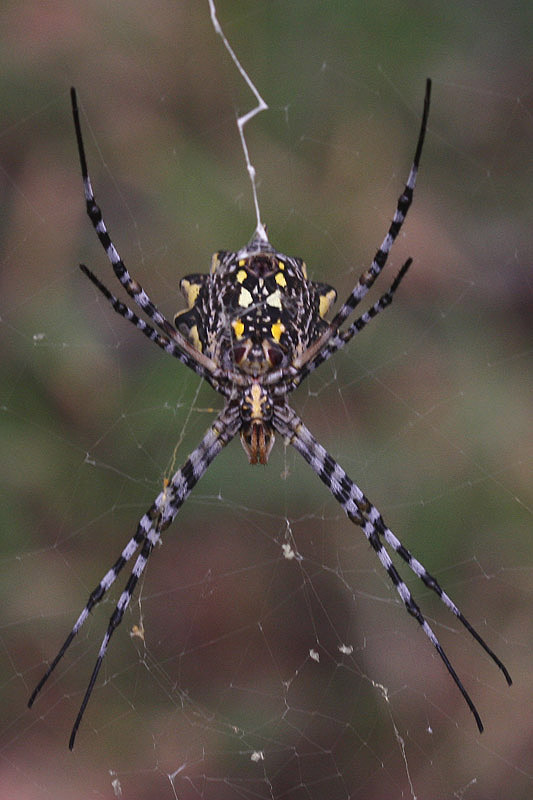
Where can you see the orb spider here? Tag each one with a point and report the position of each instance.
(254, 329)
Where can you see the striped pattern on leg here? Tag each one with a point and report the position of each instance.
(341, 338)
(133, 288)
(160, 339)
(367, 279)
(158, 517)
(362, 512)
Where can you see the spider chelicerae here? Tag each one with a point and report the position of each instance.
(254, 329)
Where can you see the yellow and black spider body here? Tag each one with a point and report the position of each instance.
(254, 314)
(256, 311)
(255, 327)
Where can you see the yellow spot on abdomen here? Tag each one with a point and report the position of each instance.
(190, 291)
(238, 327)
(325, 302)
(277, 329)
(194, 338)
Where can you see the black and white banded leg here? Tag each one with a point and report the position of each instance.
(367, 279)
(160, 339)
(255, 373)
(320, 350)
(195, 359)
(363, 513)
(158, 517)
(341, 338)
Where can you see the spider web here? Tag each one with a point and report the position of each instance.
(266, 654)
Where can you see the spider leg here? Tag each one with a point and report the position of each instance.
(421, 572)
(323, 351)
(133, 288)
(98, 593)
(160, 339)
(152, 538)
(363, 513)
(367, 279)
(158, 517)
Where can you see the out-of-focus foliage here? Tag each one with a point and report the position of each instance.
(430, 411)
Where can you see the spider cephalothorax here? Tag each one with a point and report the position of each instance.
(255, 327)
(257, 433)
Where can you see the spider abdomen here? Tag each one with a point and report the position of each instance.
(256, 311)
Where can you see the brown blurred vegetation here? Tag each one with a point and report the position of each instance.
(430, 410)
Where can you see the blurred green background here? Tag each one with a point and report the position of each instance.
(429, 410)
